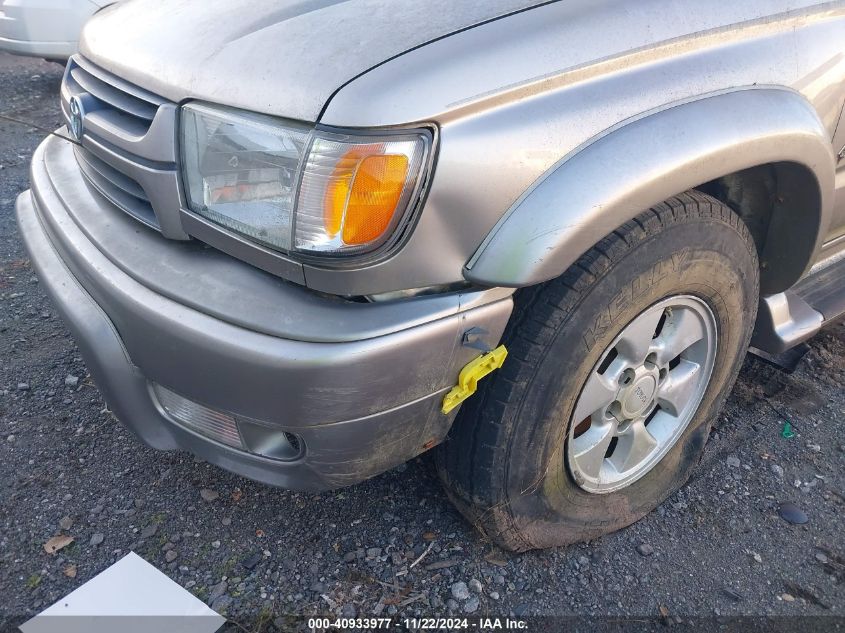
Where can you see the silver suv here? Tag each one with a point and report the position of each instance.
(294, 238)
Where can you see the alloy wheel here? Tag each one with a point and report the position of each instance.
(642, 394)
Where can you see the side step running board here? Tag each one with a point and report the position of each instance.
(825, 290)
(789, 318)
(783, 321)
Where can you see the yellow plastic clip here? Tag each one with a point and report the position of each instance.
(472, 372)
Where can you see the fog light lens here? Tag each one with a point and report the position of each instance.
(246, 434)
(216, 425)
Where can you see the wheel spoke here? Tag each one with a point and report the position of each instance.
(636, 340)
(589, 449)
(679, 387)
(633, 447)
(683, 330)
(597, 395)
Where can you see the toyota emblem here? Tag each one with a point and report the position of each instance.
(77, 118)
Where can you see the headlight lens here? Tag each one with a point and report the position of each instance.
(241, 171)
(295, 188)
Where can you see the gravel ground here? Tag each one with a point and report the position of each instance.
(256, 553)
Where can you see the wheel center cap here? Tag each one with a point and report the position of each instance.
(639, 396)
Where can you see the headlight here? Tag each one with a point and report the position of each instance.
(292, 187)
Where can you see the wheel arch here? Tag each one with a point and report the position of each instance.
(770, 198)
(768, 140)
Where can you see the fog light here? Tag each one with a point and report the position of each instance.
(213, 424)
(246, 434)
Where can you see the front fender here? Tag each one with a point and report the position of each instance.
(646, 160)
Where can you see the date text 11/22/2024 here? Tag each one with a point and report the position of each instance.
(418, 624)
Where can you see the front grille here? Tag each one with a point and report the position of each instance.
(122, 104)
(127, 152)
(121, 190)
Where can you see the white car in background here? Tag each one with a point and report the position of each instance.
(45, 28)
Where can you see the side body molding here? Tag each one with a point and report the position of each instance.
(644, 161)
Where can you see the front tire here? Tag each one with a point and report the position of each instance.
(514, 463)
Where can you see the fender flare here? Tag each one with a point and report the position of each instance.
(643, 161)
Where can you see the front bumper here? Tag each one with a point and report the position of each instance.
(360, 384)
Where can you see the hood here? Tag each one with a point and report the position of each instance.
(281, 57)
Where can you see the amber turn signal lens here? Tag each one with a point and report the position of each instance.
(363, 195)
(356, 191)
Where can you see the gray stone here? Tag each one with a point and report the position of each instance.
(644, 549)
(170, 555)
(253, 560)
(96, 539)
(71, 381)
(777, 469)
(471, 605)
(734, 462)
(791, 513)
(460, 591)
(221, 604)
(209, 495)
(149, 531)
(218, 590)
(475, 585)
